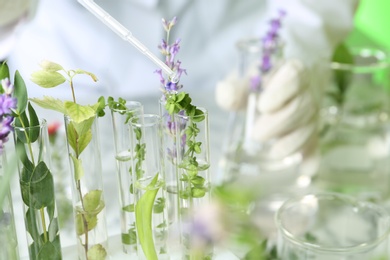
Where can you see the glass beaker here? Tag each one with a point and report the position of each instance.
(332, 226)
(355, 137)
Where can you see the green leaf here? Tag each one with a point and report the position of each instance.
(128, 208)
(53, 229)
(22, 122)
(129, 238)
(50, 66)
(31, 225)
(97, 252)
(198, 180)
(78, 143)
(34, 128)
(100, 108)
(159, 206)
(50, 210)
(50, 250)
(47, 79)
(84, 126)
(92, 200)
(80, 71)
(78, 113)
(71, 136)
(91, 222)
(84, 140)
(199, 116)
(198, 192)
(37, 188)
(4, 72)
(20, 92)
(143, 216)
(78, 168)
(50, 103)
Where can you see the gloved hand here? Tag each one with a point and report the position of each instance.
(288, 110)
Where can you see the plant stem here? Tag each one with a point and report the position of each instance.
(43, 223)
(28, 142)
(85, 223)
(72, 88)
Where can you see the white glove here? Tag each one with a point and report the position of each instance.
(288, 113)
(287, 108)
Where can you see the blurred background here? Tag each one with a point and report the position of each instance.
(65, 32)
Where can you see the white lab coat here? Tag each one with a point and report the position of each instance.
(65, 32)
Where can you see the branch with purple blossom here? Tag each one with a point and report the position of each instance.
(270, 46)
(180, 103)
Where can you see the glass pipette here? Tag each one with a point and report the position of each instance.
(119, 29)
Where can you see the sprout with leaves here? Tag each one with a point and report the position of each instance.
(79, 135)
(36, 180)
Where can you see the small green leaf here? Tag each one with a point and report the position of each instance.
(78, 113)
(20, 92)
(198, 180)
(128, 208)
(71, 136)
(159, 206)
(22, 122)
(84, 126)
(49, 251)
(91, 222)
(37, 188)
(97, 252)
(92, 200)
(78, 168)
(199, 116)
(129, 238)
(198, 192)
(84, 140)
(50, 103)
(50, 66)
(80, 71)
(4, 72)
(100, 108)
(53, 229)
(47, 79)
(34, 128)
(78, 143)
(31, 225)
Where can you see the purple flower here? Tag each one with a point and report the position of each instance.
(5, 129)
(266, 63)
(169, 24)
(270, 46)
(6, 104)
(255, 83)
(170, 52)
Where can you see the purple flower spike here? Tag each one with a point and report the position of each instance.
(170, 52)
(270, 46)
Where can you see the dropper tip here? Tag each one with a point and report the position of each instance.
(175, 77)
